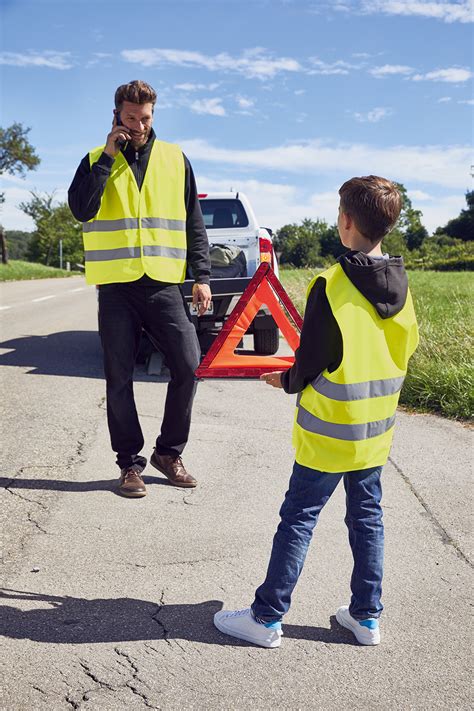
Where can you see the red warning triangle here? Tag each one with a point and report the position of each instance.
(221, 361)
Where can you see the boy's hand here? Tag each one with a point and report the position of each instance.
(273, 378)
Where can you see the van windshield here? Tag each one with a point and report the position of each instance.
(223, 214)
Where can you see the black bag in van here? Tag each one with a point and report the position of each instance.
(227, 261)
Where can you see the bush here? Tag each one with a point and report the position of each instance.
(441, 253)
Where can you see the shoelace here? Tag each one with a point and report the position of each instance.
(240, 613)
(131, 472)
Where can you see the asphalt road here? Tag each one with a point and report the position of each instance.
(107, 603)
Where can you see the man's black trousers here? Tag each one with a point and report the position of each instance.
(124, 309)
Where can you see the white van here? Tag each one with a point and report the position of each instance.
(234, 235)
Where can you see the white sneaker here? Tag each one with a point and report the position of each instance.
(365, 631)
(242, 624)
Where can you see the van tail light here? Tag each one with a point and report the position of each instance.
(202, 195)
(266, 250)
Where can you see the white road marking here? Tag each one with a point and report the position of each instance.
(42, 298)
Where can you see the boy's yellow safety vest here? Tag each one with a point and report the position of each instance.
(345, 419)
(136, 231)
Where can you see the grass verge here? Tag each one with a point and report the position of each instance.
(440, 374)
(17, 270)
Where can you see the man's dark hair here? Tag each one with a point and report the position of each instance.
(374, 204)
(137, 92)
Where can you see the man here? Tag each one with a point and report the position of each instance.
(138, 201)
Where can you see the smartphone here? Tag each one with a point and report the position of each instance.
(121, 141)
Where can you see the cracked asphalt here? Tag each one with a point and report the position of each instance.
(107, 603)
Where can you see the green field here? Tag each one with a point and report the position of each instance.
(440, 375)
(16, 270)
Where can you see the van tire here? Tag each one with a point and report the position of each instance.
(266, 341)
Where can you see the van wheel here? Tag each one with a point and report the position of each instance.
(266, 341)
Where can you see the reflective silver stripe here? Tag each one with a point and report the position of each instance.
(357, 391)
(105, 255)
(157, 250)
(127, 223)
(351, 433)
(163, 224)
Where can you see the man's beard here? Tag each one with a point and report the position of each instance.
(141, 140)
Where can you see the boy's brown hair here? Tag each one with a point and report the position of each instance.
(137, 92)
(374, 204)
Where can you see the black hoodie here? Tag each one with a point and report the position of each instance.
(381, 280)
(88, 185)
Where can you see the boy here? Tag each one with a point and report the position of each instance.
(358, 333)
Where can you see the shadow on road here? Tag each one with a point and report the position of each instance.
(75, 354)
(72, 620)
(73, 486)
(70, 353)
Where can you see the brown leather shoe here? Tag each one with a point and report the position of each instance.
(173, 469)
(131, 484)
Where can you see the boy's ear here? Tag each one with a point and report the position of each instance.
(347, 221)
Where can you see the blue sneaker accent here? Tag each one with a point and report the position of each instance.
(273, 625)
(371, 624)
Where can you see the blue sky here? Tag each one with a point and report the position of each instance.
(282, 99)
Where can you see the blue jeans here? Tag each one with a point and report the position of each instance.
(308, 492)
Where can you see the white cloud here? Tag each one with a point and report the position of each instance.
(469, 102)
(300, 92)
(50, 59)
(391, 69)
(98, 58)
(325, 68)
(444, 100)
(446, 11)
(213, 107)
(452, 75)
(244, 103)
(277, 204)
(441, 165)
(196, 87)
(437, 210)
(419, 195)
(11, 217)
(373, 116)
(254, 63)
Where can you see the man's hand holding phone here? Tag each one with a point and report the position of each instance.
(117, 138)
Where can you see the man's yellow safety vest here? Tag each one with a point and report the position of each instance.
(136, 231)
(344, 420)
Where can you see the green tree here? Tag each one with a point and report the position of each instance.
(17, 156)
(284, 238)
(461, 227)
(331, 245)
(299, 245)
(409, 222)
(18, 243)
(53, 223)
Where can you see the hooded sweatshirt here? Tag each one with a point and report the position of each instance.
(381, 280)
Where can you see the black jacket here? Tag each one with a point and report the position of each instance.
(88, 185)
(383, 282)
